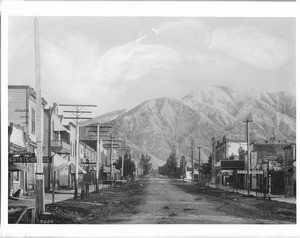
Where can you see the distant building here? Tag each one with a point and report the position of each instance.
(188, 174)
(268, 155)
(226, 149)
(290, 169)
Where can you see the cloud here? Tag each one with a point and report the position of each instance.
(252, 47)
(187, 33)
(136, 59)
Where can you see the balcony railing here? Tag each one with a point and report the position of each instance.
(60, 146)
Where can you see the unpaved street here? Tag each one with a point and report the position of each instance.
(166, 201)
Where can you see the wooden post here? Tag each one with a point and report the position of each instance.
(213, 160)
(192, 156)
(248, 156)
(123, 165)
(199, 163)
(40, 193)
(76, 162)
(111, 168)
(183, 168)
(98, 158)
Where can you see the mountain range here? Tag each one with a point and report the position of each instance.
(158, 126)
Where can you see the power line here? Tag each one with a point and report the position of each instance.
(80, 56)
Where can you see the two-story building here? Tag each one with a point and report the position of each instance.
(22, 113)
(57, 149)
(70, 136)
(226, 152)
(268, 155)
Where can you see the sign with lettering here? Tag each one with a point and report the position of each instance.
(47, 159)
(39, 176)
(251, 172)
(22, 157)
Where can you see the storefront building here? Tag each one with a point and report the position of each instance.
(22, 114)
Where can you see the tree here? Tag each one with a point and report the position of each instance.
(207, 167)
(145, 162)
(182, 166)
(129, 165)
(170, 168)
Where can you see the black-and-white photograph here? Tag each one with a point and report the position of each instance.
(151, 120)
(120, 120)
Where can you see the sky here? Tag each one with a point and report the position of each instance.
(119, 62)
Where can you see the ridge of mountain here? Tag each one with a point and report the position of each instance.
(158, 126)
(104, 117)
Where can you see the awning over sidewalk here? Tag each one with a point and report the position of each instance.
(59, 127)
(16, 167)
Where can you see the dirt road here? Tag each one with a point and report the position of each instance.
(165, 201)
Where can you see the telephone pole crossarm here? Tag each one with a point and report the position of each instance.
(77, 118)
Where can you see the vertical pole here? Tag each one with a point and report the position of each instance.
(123, 165)
(111, 170)
(76, 161)
(199, 163)
(248, 159)
(40, 193)
(97, 159)
(183, 168)
(192, 156)
(269, 181)
(49, 147)
(10, 178)
(213, 160)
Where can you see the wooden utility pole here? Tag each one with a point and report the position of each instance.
(98, 159)
(100, 129)
(112, 143)
(213, 160)
(77, 118)
(248, 156)
(183, 168)
(122, 148)
(199, 163)
(111, 168)
(192, 156)
(50, 165)
(40, 191)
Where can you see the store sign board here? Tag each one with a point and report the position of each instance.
(22, 157)
(232, 164)
(47, 159)
(251, 172)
